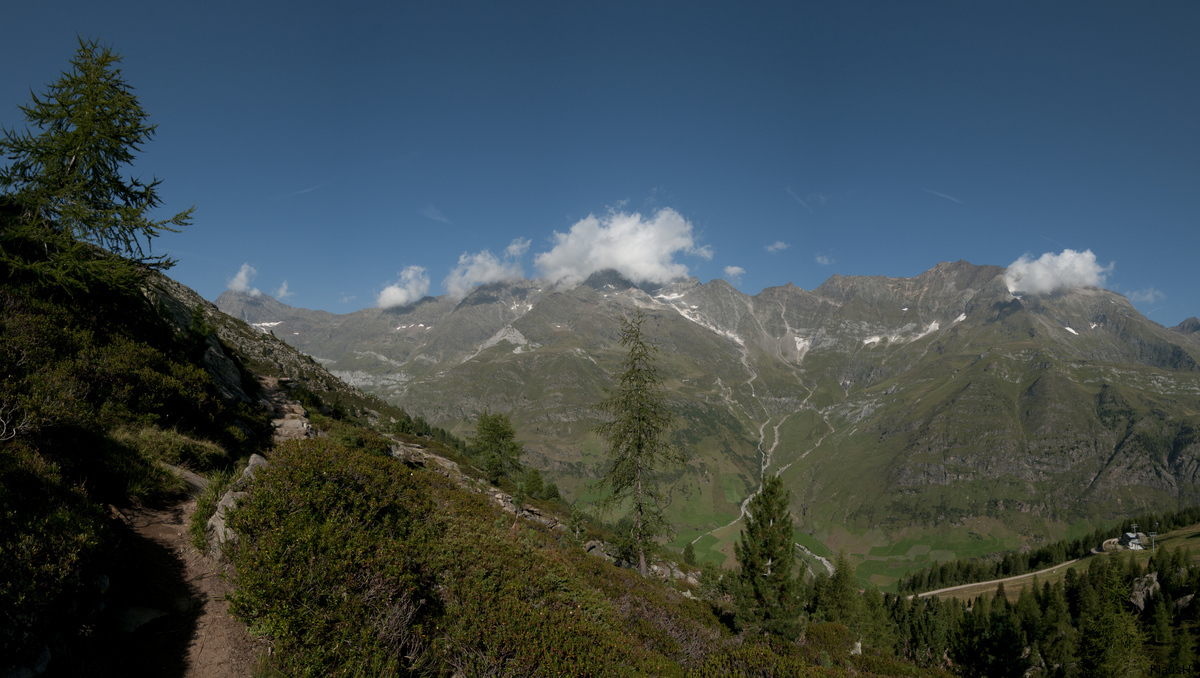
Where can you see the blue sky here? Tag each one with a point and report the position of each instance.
(342, 149)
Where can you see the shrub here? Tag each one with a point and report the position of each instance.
(172, 447)
(833, 639)
(326, 562)
(52, 538)
(351, 561)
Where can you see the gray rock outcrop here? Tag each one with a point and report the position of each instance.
(218, 531)
(1144, 589)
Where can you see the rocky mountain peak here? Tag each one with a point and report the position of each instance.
(1189, 326)
(610, 280)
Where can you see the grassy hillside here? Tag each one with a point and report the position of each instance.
(354, 564)
(98, 391)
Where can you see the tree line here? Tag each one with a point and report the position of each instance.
(1014, 563)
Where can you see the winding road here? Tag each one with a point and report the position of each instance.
(996, 581)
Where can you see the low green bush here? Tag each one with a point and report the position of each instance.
(356, 564)
(52, 543)
(172, 447)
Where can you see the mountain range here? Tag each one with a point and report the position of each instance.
(912, 419)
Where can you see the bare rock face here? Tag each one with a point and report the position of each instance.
(224, 372)
(288, 417)
(1144, 590)
(1189, 326)
(177, 303)
(219, 532)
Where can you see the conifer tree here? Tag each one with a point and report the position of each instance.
(495, 443)
(1111, 643)
(1182, 660)
(877, 629)
(840, 601)
(63, 189)
(636, 437)
(768, 590)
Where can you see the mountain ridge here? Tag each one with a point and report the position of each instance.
(868, 394)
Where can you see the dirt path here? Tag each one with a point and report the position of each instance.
(165, 612)
(994, 582)
(219, 645)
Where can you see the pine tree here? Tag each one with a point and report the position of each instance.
(768, 591)
(636, 438)
(1111, 643)
(1182, 660)
(575, 524)
(878, 630)
(841, 602)
(495, 443)
(63, 190)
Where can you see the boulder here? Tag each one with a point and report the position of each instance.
(218, 531)
(1184, 602)
(1144, 589)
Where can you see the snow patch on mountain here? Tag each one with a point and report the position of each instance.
(961, 317)
(695, 317)
(507, 333)
(802, 346)
(1071, 331)
(933, 327)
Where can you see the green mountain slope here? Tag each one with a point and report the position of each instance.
(938, 411)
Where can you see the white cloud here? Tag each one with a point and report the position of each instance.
(347, 298)
(241, 281)
(485, 267)
(942, 195)
(1051, 272)
(777, 246)
(824, 260)
(641, 249)
(431, 212)
(414, 284)
(1147, 295)
(517, 247)
(734, 272)
(282, 292)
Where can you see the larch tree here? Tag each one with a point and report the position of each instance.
(636, 435)
(63, 189)
(768, 589)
